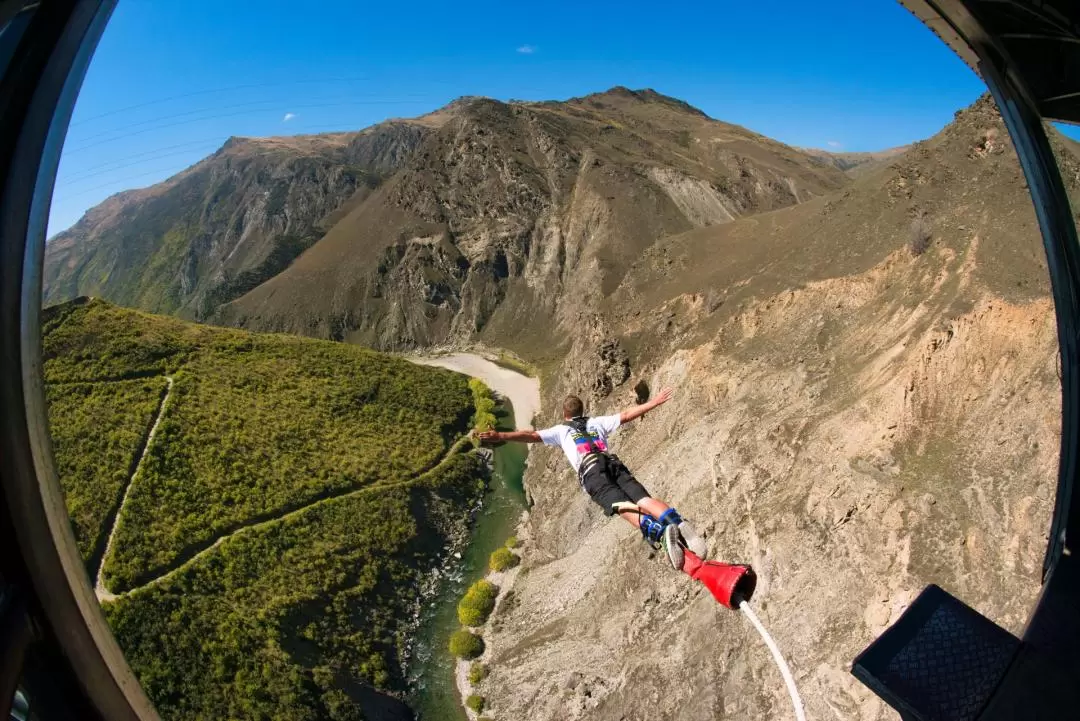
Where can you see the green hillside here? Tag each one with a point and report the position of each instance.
(269, 548)
(98, 430)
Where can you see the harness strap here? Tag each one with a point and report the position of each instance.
(626, 506)
(588, 462)
(591, 454)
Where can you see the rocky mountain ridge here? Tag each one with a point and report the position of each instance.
(484, 210)
(856, 163)
(217, 229)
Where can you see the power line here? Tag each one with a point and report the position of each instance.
(173, 170)
(85, 175)
(248, 86)
(156, 154)
(210, 92)
(100, 166)
(125, 136)
(415, 97)
(171, 173)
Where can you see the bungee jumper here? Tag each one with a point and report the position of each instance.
(608, 482)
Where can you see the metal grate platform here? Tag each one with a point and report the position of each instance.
(942, 661)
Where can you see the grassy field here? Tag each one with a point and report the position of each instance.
(269, 552)
(96, 341)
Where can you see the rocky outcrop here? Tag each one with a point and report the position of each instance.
(845, 499)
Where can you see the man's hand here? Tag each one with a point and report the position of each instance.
(662, 397)
(488, 436)
(636, 412)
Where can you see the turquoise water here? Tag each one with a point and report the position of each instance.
(431, 674)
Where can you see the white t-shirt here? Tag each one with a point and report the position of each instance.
(561, 435)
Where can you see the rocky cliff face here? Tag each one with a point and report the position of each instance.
(852, 418)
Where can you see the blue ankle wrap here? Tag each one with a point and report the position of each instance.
(651, 528)
(670, 517)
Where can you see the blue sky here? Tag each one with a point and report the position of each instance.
(172, 80)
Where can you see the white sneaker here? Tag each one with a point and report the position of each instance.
(693, 540)
(670, 543)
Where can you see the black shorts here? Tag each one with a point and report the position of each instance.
(609, 482)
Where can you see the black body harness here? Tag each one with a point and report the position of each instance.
(588, 445)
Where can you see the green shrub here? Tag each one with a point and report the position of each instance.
(475, 702)
(484, 588)
(477, 604)
(512, 542)
(470, 616)
(502, 559)
(477, 672)
(484, 404)
(466, 645)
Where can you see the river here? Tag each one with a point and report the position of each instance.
(434, 695)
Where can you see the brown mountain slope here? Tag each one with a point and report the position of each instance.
(854, 419)
(525, 212)
(854, 163)
(219, 228)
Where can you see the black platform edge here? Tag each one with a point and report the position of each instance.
(941, 661)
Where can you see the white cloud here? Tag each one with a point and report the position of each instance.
(834, 144)
(527, 49)
(288, 117)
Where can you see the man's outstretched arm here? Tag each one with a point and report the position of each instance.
(638, 411)
(519, 436)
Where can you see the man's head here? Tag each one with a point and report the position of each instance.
(572, 407)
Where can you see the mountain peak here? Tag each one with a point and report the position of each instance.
(621, 93)
(437, 118)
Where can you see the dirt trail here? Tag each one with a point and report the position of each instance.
(103, 593)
